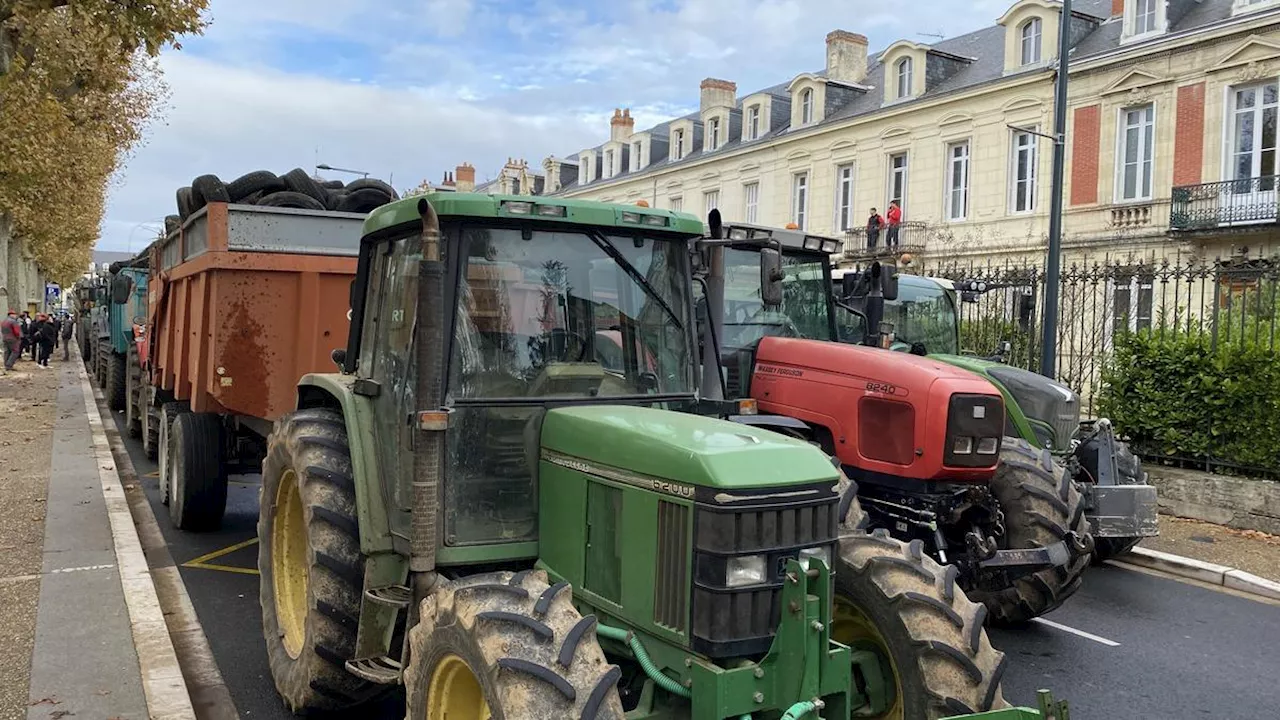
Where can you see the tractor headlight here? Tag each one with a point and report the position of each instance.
(988, 446)
(744, 570)
(962, 446)
(822, 553)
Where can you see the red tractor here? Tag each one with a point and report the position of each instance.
(922, 439)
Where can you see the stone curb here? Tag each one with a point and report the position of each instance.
(162, 682)
(1203, 571)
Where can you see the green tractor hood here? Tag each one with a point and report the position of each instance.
(687, 450)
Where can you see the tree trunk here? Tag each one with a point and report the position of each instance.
(5, 237)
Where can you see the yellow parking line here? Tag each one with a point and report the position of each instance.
(203, 563)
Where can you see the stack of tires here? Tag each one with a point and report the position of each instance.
(294, 189)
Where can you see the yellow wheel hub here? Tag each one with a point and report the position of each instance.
(454, 692)
(850, 626)
(289, 563)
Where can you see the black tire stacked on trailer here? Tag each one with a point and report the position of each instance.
(297, 180)
(894, 600)
(197, 475)
(510, 643)
(206, 189)
(1041, 506)
(171, 224)
(290, 199)
(186, 202)
(260, 182)
(1129, 467)
(310, 564)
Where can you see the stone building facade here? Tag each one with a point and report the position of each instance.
(1171, 138)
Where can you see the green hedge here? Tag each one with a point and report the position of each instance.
(1175, 394)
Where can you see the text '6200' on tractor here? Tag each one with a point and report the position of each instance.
(499, 503)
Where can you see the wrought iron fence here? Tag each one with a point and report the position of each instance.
(1246, 201)
(1228, 301)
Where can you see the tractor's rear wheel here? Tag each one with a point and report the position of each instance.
(133, 393)
(1041, 507)
(117, 382)
(197, 481)
(507, 647)
(150, 425)
(310, 565)
(894, 600)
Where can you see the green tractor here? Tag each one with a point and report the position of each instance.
(506, 502)
(1045, 414)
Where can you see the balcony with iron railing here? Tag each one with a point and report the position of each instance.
(1229, 204)
(912, 235)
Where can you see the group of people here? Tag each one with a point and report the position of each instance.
(891, 222)
(38, 335)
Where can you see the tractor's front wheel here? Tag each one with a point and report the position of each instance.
(1041, 507)
(894, 600)
(117, 378)
(309, 561)
(507, 647)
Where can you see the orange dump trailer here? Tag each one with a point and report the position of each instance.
(243, 301)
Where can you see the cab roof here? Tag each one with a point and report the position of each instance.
(533, 208)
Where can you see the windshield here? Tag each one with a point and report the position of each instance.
(924, 313)
(570, 313)
(805, 311)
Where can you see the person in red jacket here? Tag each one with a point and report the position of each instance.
(11, 336)
(893, 219)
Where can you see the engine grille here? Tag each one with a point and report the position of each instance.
(670, 593)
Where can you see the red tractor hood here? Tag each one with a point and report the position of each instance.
(886, 411)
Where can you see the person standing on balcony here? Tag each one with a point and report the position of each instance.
(893, 216)
(874, 223)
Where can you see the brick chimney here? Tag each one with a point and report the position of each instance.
(465, 178)
(718, 94)
(1117, 8)
(846, 56)
(621, 125)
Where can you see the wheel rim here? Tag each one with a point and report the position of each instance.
(851, 626)
(454, 693)
(289, 563)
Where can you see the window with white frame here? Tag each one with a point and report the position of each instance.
(806, 106)
(753, 122)
(750, 201)
(844, 198)
(898, 179)
(608, 163)
(713, 134)
(710, 201)
(1030, 41)
(957, 181)
(1252, 150)
(1132, 300)
(1135, 151)
(1244, 6)
(637, 156)
(1144, 16)
(903, 69)
(677, 147)
(1022, 173)
(800, 199)
(677, 204)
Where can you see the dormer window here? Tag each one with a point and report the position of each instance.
(1244, 6)
(1143, 18)
(806, 106)
(1030, 35)
(637, 153)
(677, 146)
(903, 70)
(713, 133)
(753, 122)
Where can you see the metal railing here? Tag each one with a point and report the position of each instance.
(1247, 201)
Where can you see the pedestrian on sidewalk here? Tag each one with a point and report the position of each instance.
(11, 336)
(68, 328)
(26, 343)
(874, 223)
(893, 216)
(45, 337)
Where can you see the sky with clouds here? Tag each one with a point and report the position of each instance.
(407, 89)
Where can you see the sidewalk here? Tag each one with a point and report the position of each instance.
(1249, 550)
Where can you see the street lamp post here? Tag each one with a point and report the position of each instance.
(361, 173)
(1053, 268)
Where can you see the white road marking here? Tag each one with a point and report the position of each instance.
(24, 578)
(1073, 631)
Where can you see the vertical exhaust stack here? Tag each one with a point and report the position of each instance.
(432, 423)
(712, 376)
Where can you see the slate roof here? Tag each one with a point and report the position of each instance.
(986, 49)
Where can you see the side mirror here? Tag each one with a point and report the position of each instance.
(849, 285)
(139, 320)
(121, 286)
(714, 224)
(889, 281)
(770, 277)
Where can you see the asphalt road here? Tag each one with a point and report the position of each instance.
(1128, 645)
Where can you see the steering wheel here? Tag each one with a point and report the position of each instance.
(548, 341)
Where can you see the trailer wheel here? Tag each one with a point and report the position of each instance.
(83, 340)
(894, 600)
(168, 413)
(1041, 506)
(309, 560)
(507, 646)
(133, 410)
(117, 382)
(150, 427)
(197, 477)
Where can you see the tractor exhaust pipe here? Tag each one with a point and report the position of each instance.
(712, 378)
(433, 421)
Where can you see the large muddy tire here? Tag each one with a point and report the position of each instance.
(117, 382)
(1129, 467)
(312, 572)
(511, 643)
(197, 476)
(893, 599)
(1041, 506)
(133, 409)
(168, 413)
